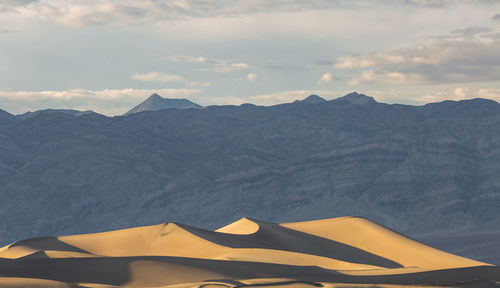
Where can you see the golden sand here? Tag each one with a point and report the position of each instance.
(340, 252)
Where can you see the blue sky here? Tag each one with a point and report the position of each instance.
(108, 56)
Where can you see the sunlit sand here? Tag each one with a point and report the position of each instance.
(338, 252)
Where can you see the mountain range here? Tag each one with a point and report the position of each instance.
(153, 103)
(50, 111)
(424, 170)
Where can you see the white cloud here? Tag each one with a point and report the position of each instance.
(199, 84)
(466, 55)
(189, 59)
(489, 93)
(251, 77)
(109, 101)
(415, 55)
(158, 77)
(325, 78)
(91, 12)
(460, 93)
(232, 67)
(441, 3)
(218, 65)
(345, 62)
(388, 78)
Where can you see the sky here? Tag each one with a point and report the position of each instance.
(108, 56)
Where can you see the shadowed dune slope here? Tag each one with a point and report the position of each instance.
(374, 238)
(245, 253)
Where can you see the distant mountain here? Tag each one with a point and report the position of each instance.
(312, 99)
(353, 98)
(418, 169)
(30, 114)
(356, 98)
(156, 102)
(7, 118)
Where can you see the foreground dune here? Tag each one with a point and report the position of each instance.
(339, 252)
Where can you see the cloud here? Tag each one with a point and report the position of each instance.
(89, 12)
(496, 17)
(466, 55)
(189, 59)
(388, 78)
(251, 77)
(460, 93)
(489, 93)
(442, 3)
(158, 77)
(471, 31)
(199, 84)
(126, 12)
(218, 65)
(231, 67)
(109, 101)
(381, 58)
(12, 4)
(432, 3)
(325, 78)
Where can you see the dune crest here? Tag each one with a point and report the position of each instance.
(321, 253)
(244, 226)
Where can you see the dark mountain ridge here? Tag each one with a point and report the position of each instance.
(356, 98)
(30, 114)
(7, 118)
(419, 169)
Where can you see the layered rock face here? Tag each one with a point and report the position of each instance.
(417, 169)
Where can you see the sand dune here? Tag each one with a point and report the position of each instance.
(336, 252)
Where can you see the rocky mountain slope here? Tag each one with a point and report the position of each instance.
(7, 118)
(417, 169)
(155, 102)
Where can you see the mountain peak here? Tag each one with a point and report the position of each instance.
(156, 102)
(155, 96)
(313, 99)
(356, 98)
(6, 117)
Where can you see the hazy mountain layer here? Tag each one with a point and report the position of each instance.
(65, 111)
(418, 169)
